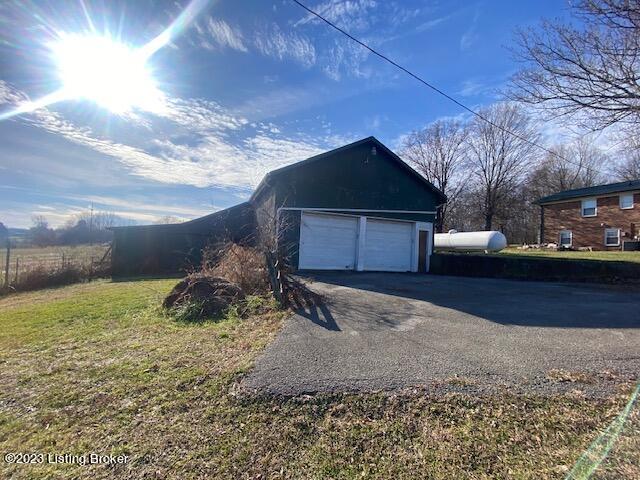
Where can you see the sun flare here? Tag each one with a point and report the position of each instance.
(107, 72)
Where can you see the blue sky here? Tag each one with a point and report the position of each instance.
(249, 86)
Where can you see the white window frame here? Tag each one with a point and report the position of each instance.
(626, 195)
(570, 238)
(595, 207)
(606, 230)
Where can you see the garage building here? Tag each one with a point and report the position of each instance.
(358, 207)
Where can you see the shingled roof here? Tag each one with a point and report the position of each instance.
(597, 191)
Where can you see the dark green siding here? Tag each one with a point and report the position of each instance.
(356, 179)
(154, 249)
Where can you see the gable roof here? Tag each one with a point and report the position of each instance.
(265, 183)
(598, 190)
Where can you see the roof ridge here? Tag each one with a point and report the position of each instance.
(601, 189)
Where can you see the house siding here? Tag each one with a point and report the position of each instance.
(589, 231)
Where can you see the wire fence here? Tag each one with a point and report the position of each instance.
(22, 261)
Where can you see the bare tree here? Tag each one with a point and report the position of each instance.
(39, 221)
(40, 234)
(593, 70)
(437, 152)
(500, 151)
(572, 165)
(628, 168)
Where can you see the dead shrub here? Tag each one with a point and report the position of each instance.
(244, 266)
(45, 276)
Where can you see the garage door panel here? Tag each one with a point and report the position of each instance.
(388, 246)
(328, 242)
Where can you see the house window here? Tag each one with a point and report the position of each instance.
(626, 201)
(566, 238)
(612, 237)
(589, 208)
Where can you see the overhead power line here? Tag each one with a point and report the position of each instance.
(437, 90)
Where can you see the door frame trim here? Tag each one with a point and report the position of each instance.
(362, 230)
(423, 227)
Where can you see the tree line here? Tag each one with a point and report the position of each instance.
(495, 165)
(81, 228)
(492, 178)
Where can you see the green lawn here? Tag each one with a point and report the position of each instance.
(607, 256)
(98, 368)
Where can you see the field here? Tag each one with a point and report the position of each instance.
(98, 368)
(571, 255)
(26, 259)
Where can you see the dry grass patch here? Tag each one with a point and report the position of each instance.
(559, 375)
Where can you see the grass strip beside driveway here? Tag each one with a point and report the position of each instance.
(97, 368)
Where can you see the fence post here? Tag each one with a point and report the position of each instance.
(6, 267)
(15, 275)
(274, 279)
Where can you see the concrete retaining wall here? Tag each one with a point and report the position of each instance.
(532, 268)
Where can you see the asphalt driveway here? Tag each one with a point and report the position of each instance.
(383, 331)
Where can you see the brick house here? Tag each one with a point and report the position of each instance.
(604, 217)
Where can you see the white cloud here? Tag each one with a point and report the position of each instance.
(275, 43)
(201, 115)
(336, 57)
(354, 15)
(138, 205)
(471, 87)
(11, 96)
(221, 34)
(268, 40)
(346, 58)
(470, 36)
(434, 22)
(61, 213)
(221, 148)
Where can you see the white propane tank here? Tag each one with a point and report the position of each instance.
(490, 241)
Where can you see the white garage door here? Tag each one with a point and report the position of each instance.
(328, 242)
(388, 246)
